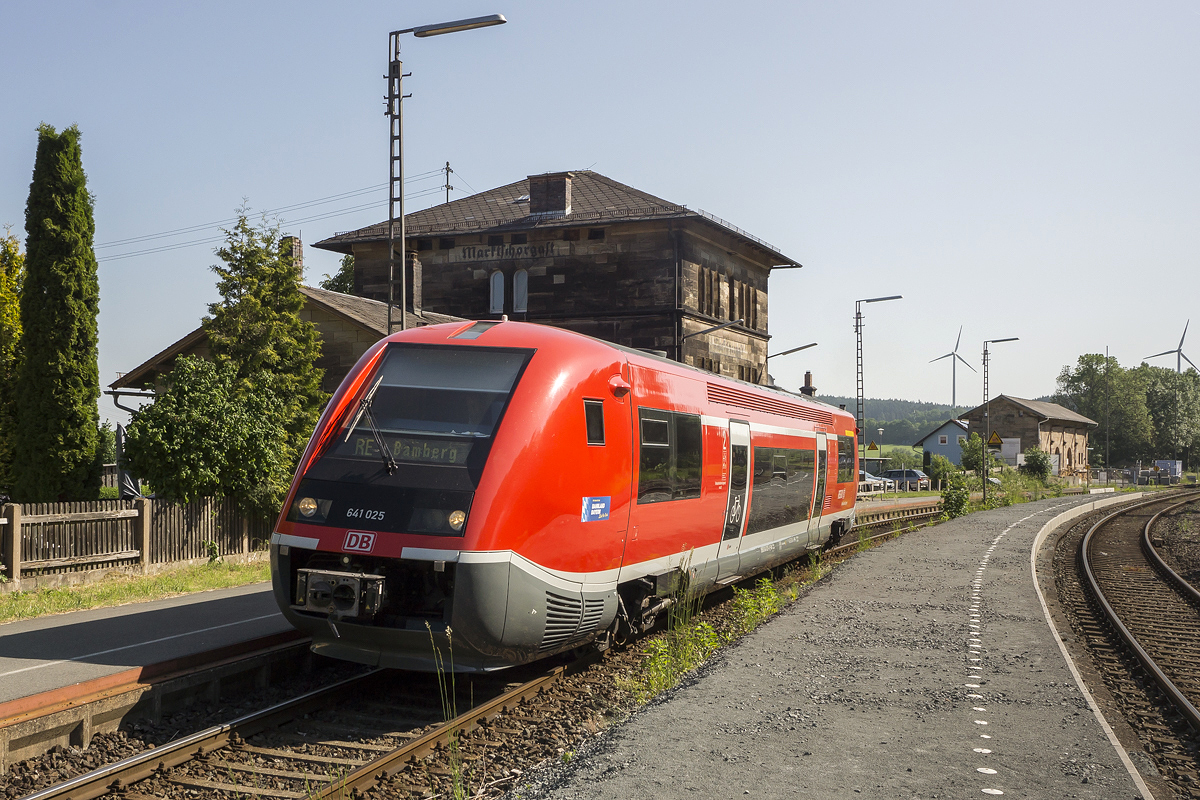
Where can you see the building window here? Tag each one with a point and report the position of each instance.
(520, 291)
(595, 233)
(571, 235)
(424, 244)
(519, 238)
(943, 439)
(495, 241)
(497, 300)
(445, 243)
(961, 439)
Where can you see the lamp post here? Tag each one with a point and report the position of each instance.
(395, 115)
(858, 417)
(983, 465)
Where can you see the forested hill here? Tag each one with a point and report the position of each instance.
(903, 421)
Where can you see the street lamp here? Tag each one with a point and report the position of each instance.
(858, 427)
(395, 114)
(987, 417)
(793, 350)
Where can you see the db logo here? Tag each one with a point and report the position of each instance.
(359, 542)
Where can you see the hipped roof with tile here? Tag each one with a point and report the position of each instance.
(595, 200)
(368, 314)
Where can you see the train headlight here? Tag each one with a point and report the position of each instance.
(457, 519)
(307, 506)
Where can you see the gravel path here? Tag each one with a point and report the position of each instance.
(865, 688)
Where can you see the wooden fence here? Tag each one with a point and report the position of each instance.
(41, 540)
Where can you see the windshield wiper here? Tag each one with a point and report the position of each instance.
(362, 405)
(364, 411)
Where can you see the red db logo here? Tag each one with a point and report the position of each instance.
(359, 542)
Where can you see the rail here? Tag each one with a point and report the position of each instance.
(1160, 677)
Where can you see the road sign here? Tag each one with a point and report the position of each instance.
(995, 440)
(872, 446)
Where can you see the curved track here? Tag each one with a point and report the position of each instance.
(1154, 611)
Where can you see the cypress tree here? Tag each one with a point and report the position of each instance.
(12, 276)
(58, 379)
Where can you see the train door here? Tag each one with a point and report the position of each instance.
(814, 520)
(738, 501)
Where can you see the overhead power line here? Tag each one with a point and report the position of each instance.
(275, 211)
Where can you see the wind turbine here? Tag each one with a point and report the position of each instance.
(954, 359)
(1178, 351)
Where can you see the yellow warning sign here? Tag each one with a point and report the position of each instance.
(995, 440)
(872, 446)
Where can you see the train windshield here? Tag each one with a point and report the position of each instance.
(430, 404)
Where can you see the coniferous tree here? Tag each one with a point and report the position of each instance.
(12, 275)
(58, 380)
(256, 328)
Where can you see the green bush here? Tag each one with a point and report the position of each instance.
(956, 498)
(1037, 464)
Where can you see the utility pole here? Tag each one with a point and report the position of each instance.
(983, 466)
(1107, 426)
(395, 115)
(861, 400)
(447, 187)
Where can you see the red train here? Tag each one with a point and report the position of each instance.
(534, 489)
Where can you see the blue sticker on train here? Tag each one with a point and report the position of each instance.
(595, 509)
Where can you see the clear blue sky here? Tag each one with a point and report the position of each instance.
(1021, 169)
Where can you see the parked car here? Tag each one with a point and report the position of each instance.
(908, 479)
(877, 484)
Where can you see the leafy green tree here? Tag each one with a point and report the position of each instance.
(1037, 464)
(905, 458)
(12, 276)
(1096, 386)
(58, 381)
(256, 329)
(973, 454)
(201, 437)
(1173, 402)
(343, 280)
(940, 468)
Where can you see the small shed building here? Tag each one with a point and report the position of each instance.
(944, 440)
(1048, 426)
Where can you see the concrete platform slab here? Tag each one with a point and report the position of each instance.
(47, 653)
(923, 668)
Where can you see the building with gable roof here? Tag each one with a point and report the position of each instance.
(1054, 429)
(581, 251)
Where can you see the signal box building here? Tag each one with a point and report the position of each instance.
(581, 251)
(1056, 430)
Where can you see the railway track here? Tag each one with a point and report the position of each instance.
(1141, 623)
(382, 731)
(332, 742)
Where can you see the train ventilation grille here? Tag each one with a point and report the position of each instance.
(567, 618)
(729, 396)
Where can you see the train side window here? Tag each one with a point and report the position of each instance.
(689, 463)
(845, 461)
(654, 466)
(593, 412)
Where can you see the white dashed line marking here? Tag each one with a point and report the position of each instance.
(992, 791)
(981, 722)
(985, 770)
(982, 750)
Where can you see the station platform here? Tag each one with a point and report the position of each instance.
(46, 653)
(923, 668)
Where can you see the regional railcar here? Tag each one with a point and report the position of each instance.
(522, 490)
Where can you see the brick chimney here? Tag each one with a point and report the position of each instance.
(291, 249)
(808, 389)
(550, 194)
